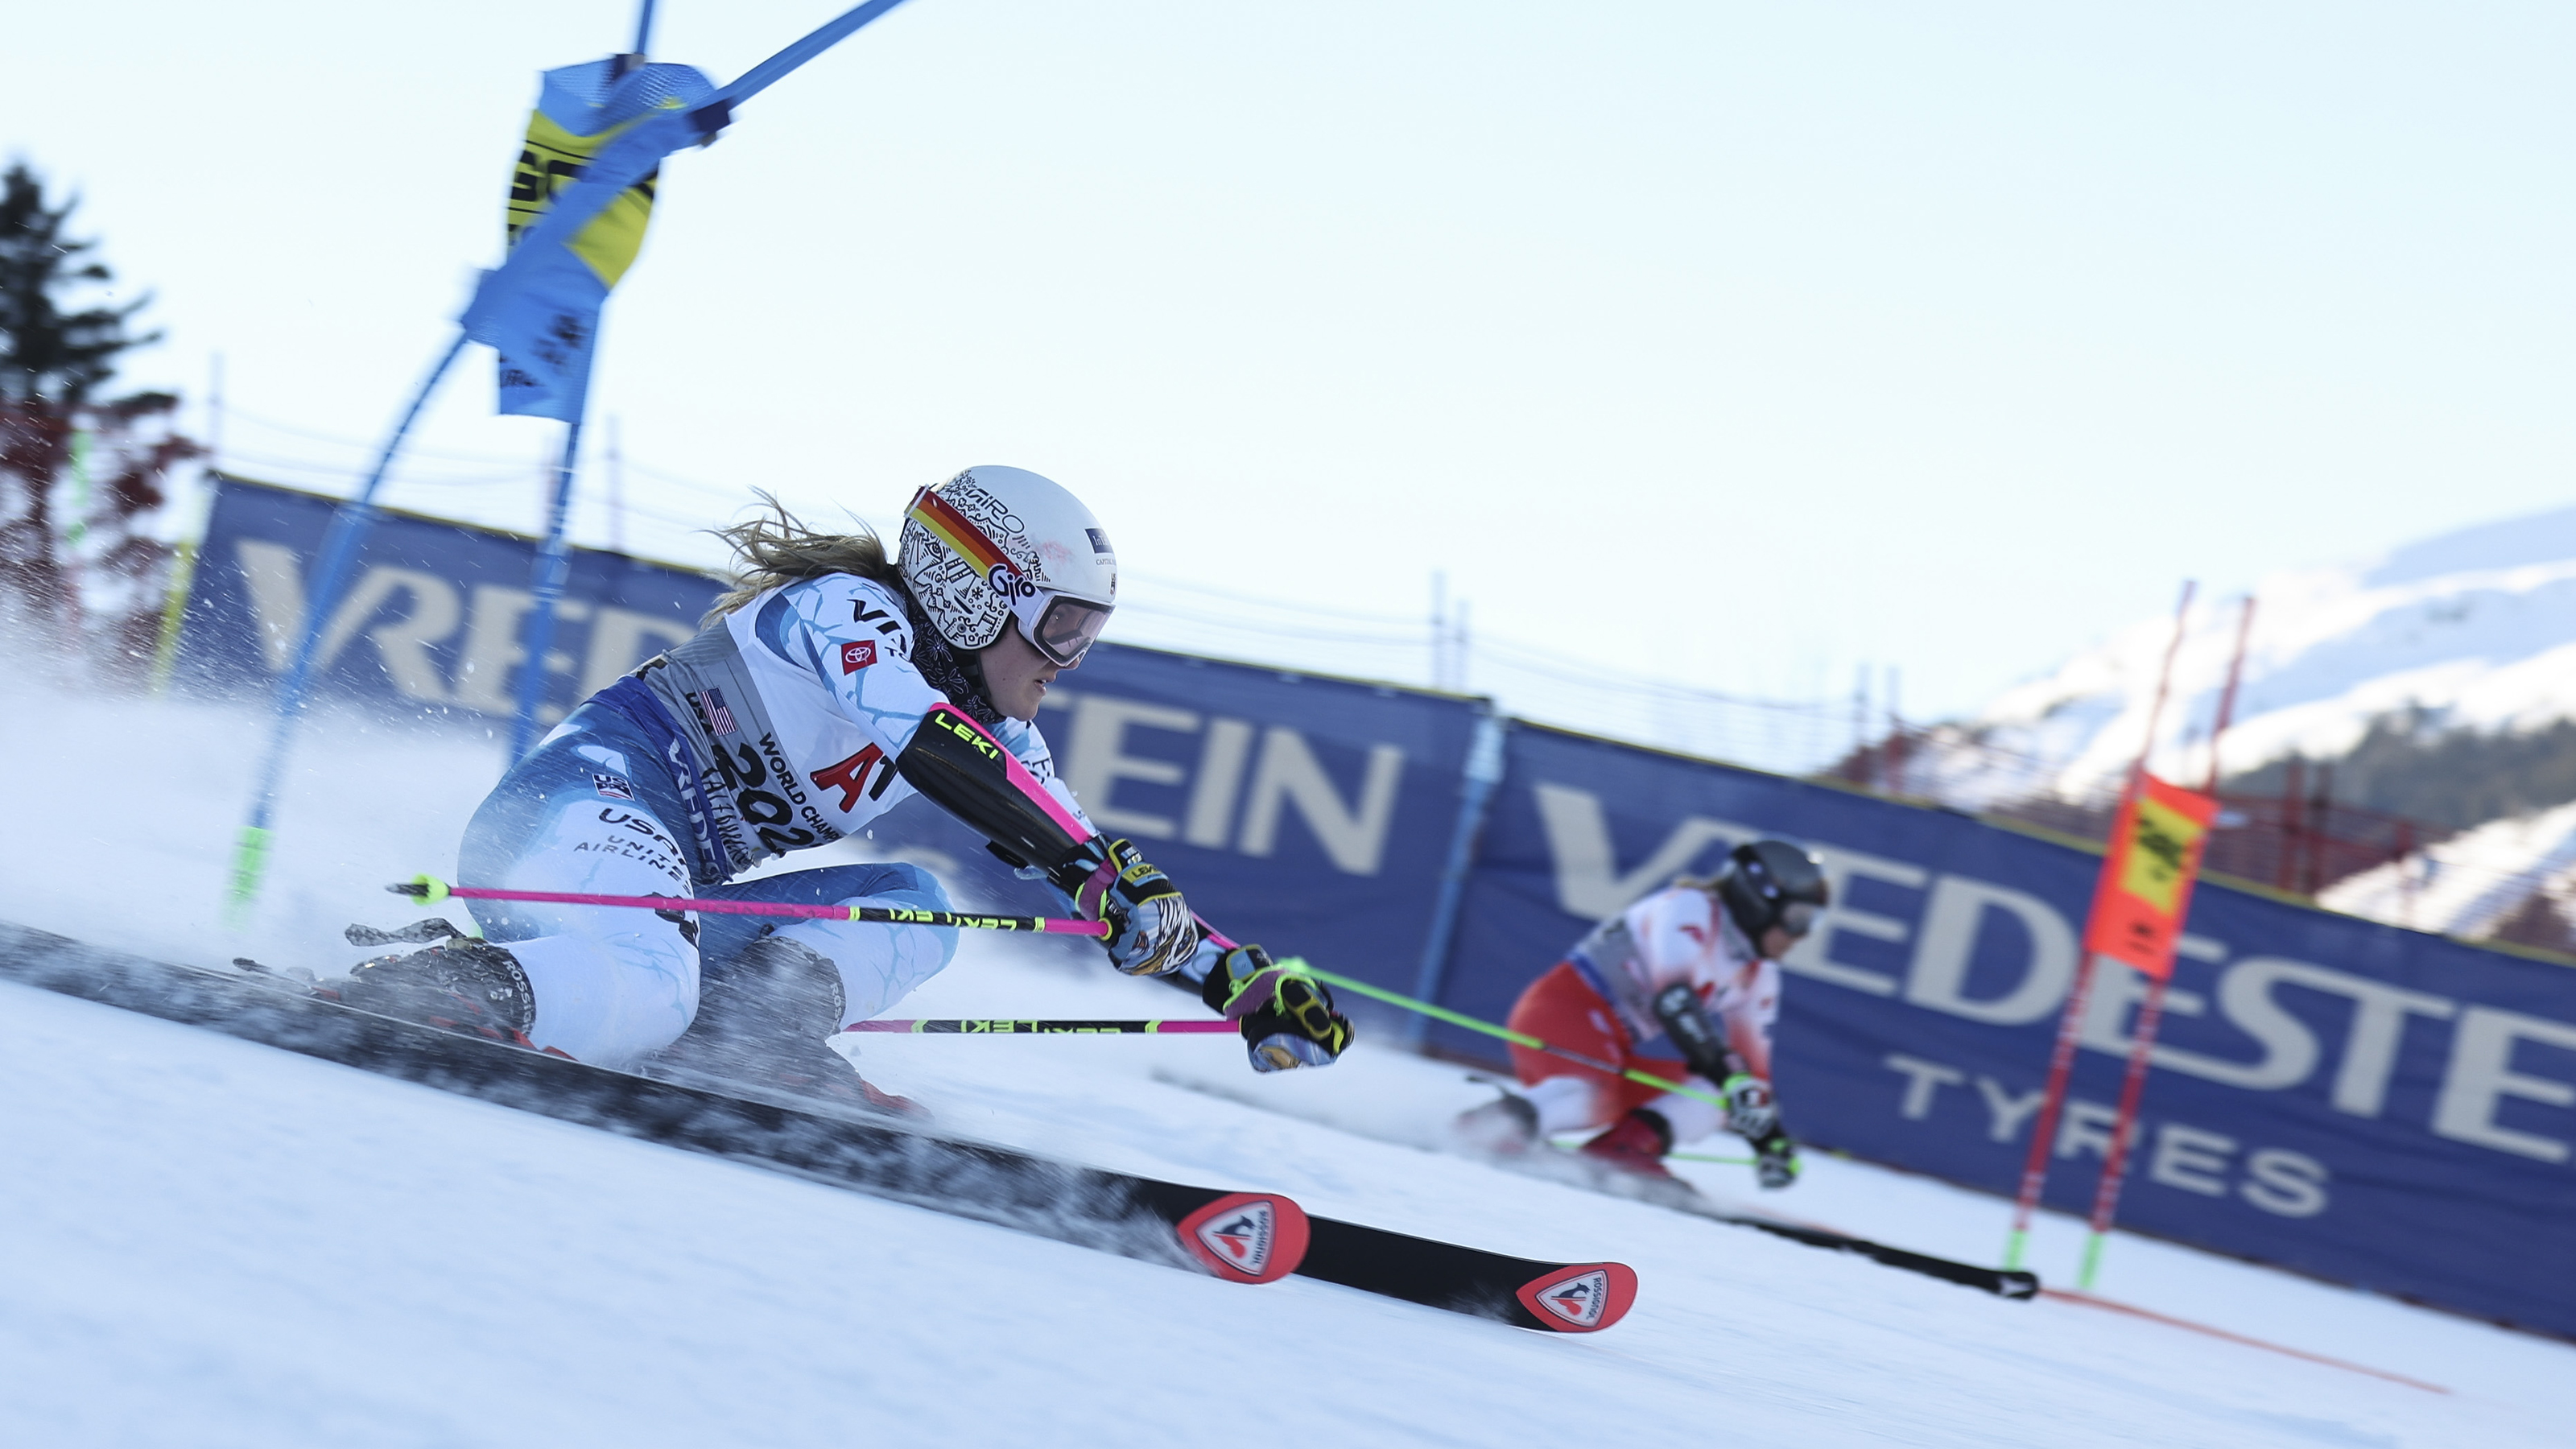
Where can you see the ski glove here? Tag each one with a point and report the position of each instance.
(1750, 1112)
(1288, 1017)
(1775, 1160)
(1151, 929)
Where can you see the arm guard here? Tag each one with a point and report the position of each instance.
(1686, 1022)
(1750, 1111)
(966, 772)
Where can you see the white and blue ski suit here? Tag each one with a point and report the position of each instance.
(776, 729)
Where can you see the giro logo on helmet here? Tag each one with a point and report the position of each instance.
(1009, 582)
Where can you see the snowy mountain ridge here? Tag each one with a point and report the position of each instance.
(2476, 629)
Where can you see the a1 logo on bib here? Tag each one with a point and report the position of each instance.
(1246, 1237)
(1584, 1298)
(858, 654)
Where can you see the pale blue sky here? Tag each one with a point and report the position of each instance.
(1745, 342)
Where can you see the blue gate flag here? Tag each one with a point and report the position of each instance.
(545, 335)
(541, 305)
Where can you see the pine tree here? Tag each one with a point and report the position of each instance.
(54, 355)
(47, 354)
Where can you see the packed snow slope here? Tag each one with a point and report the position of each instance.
(2476, 628)
(216, 1243)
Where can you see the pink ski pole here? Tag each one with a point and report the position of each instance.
(429, 890)
(1024, 1026)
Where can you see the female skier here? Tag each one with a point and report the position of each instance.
(1695, 964)
(829, 686)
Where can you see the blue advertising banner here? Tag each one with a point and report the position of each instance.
(2372, 1105)
(434, 615)
(1310, 814)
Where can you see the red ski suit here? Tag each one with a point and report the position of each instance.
(1598, 1002)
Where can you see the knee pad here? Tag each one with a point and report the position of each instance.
(1690, 1118)
(1564, 1104)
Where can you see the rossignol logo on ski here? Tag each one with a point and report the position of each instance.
(1581, 1298)
(1243, 1237)
(1247, 1237)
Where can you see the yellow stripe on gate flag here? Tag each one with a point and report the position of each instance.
(2144, 890)
(600, 113)
(550, 159)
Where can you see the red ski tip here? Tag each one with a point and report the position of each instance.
(1248, 1237)
(1581, 1297)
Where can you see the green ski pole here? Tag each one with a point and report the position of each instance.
(1516, 1038)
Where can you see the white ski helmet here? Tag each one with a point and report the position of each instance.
(996, 544)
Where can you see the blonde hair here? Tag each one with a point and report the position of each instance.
(777, 548)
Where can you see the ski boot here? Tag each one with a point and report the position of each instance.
(765, 1018)
(1504, 1127)
(1635, 1145)
(465, 985)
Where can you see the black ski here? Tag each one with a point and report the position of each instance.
(1526, 1293)
(1245, 1237)
(2013, 1283)
(1242, 1237)
(1553, 1165)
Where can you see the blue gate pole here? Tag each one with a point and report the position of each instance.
(546, 582)
(339, 552)
(554, 561)
(1483, 775)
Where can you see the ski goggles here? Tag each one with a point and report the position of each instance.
(1799, 917)
(1060, 625)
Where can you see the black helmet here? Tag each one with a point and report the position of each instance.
(1772, 883)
